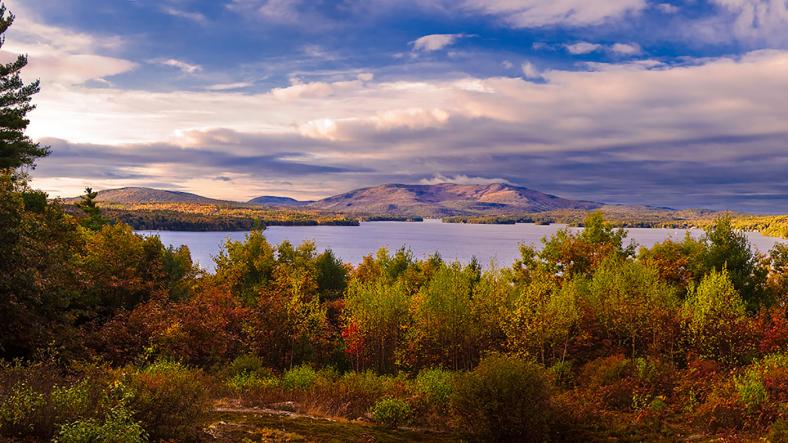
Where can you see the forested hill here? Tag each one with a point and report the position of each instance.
(272, 200)
(135, 195)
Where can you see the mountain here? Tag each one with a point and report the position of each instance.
(447, 199)
(132, 195)
(272, 200)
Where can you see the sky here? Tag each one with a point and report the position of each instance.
(678, 103)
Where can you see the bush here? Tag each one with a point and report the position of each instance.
(20, 410)
(390, 412)
(170, 400)
(75, 401)
(504, 399)
(117, 427)
(436, 385)
(247, 381)
(299, 378)
(247, 363)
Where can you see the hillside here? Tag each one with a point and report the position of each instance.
(133, 195)
(447, 199)
(272, 200)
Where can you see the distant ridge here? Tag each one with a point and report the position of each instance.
(135, 195)
(448, 199)
(438, 200)
(278, 201)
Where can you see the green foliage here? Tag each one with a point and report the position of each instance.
(631, 302)
(246, 267)
(19, 409)
(375, 314)
(542, 318)
(443, 332)
(94, 220)
(117, 427)
(436, 385)
(391, 412)
(332, 276)
(504, 399)
(16, 148)
(729, 249)
(714, 314)
(299, 378)
(248, 381)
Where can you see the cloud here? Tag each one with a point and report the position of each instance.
(582, 48)
(435, 42)
(530, 71)
(188, 15)
(625, 48)
(181, 65)
(689, 134)
(541, 13)
(667, 8)
(758, 20)
(461, 180)
(229, 86)
(60, 55)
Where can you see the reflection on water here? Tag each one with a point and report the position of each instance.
(489, 243)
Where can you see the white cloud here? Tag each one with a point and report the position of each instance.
(181, 65)
(582, 48)
(461, 179)
(229, 86)
(758, 20)
(530, 71)
(626, 48)
(667, 8)
(434, 42)
(188, 15)
(60, 55)
(538, 13)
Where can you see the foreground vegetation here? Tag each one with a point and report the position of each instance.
(107, 333)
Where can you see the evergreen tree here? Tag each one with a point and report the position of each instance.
(94, 220)
(16, 148)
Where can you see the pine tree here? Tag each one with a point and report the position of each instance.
(16, 149)
(94, 220)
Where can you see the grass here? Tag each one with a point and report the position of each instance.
(263, 427)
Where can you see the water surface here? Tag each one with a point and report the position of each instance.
(488, 243)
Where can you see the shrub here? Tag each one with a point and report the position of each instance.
(504, 399)
(247, 381)
(75, 401)
(117, 427)
(778, 431)
(436, 385)
(20, 410)
(247, 363)
(170, 400)
(299, 378)
(390, 412)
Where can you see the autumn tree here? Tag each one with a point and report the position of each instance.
(715, 319)
(631, 302)
(443, 332)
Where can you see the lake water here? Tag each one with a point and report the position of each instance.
(489, 243)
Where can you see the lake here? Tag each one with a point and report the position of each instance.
(454, 241)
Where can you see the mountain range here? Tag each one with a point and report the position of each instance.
(436, 200)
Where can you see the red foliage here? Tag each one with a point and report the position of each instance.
(772, 325)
